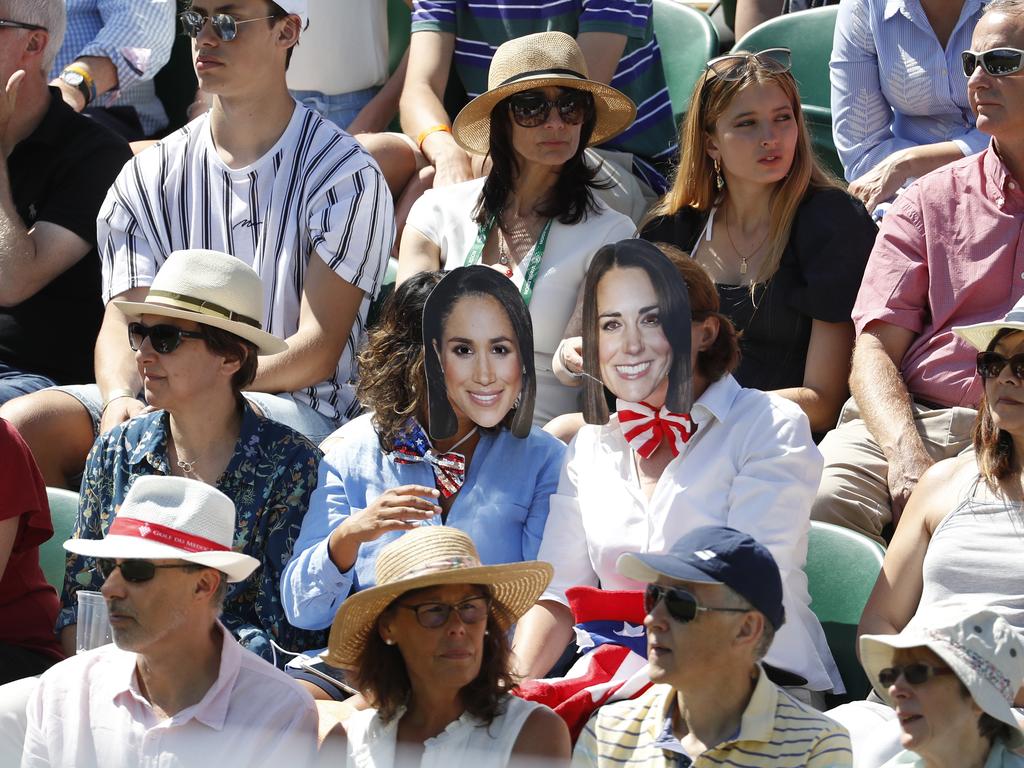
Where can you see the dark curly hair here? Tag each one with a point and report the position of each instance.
(570, 199)
(392, 382)
(381, 676)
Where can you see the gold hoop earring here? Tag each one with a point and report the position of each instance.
(719, 179)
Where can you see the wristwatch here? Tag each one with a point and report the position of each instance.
(79, 77)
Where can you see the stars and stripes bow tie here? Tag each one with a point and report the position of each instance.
(412, 446)
(644, 427)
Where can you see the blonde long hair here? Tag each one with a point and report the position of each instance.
(693, 185)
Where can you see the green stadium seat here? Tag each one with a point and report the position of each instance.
(63, 513)
(842, 567)
(687, 39)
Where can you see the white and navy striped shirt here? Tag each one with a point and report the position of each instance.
(316, 191)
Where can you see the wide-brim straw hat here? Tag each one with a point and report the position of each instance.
(427, 557)
(980, 335)
(209, 288)
(981, 648)
(538, 61)
(172, 518)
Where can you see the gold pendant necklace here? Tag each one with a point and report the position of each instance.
(743, 259)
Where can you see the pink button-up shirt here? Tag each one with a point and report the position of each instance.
(88, 712)
(949, 252)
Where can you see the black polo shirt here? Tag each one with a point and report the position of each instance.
(60, 174)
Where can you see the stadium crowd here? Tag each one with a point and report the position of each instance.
(444, 383)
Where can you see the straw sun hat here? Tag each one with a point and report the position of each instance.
(427, 557)
(538, 61)
(210, 288)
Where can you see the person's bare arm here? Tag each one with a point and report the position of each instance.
(422, 105)
(115, 364)
(885, 179)
(416, 254)
(541, 637)
(885, 406)
(602, 51)
(750, 13)
(897, 592)
(326, 315)
(543, 742)
(826, 374)
(103, 73)
(381, 109)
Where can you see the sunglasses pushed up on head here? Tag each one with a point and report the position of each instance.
(734, 66)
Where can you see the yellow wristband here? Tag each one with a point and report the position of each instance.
(432, 129)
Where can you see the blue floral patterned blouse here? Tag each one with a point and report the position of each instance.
(270, 479)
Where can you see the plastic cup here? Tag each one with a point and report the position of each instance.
(93, 628)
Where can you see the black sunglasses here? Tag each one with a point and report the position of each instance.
(681, 604)
(164, 338)
(991, 364)
(915, 674)
(20, 25)
(433, 615)
(733, 66)
(224, 25)
(133, 571)
(532, 108)
(997, 61)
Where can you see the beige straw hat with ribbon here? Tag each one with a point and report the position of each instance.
(538, 61)
(426, 557)
(210, 288)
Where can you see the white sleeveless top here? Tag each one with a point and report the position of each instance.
(465, 742)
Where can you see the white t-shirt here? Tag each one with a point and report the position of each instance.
(344, 48)
(315, 191)
(752, 466)
(445, 217)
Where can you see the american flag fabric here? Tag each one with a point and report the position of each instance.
(412, 446)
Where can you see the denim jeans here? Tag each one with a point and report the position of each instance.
(15, 383)
(340, 108)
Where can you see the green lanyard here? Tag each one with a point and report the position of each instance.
(532, 266)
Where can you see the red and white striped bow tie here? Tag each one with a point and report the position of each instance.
(644, 427)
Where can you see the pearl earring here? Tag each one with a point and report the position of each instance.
(389, 641)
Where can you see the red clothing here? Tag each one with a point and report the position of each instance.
(28, 605)
(949, 252)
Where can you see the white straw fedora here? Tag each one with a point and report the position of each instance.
(425, 557)
(537, 61)
(176, 518)
(981, 648)
(211, 288)
(980, 335)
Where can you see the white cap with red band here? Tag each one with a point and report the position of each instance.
(172, 518)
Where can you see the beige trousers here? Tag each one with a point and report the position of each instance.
(854, 489)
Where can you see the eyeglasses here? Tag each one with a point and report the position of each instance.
(991, 364)
(915, 674)
(734, 65)
(532, 108)
(681, 604)
(164, 338)
(20, 25)
(997, 61)
(434, 615)
(134, 571)
(225, 25)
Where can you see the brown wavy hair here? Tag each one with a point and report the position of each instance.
(693, 185)
(993, 447)
(380, 673)
(392, 381)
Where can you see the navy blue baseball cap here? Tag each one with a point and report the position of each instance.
(714, 554)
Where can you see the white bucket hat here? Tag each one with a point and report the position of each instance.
(175, 518)
(980, 335)
(211, 288)
(980, 647)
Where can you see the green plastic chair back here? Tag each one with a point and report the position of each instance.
(63, 513)
(809, 35)
(687, 39)
(842, 567)
(729, 13)
(399, 21)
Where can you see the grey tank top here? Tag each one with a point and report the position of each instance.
(975, 556)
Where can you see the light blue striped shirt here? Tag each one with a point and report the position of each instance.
(894, 87)
(136, 35)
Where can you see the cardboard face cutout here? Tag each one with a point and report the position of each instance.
(478, 352)
(636, 330)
